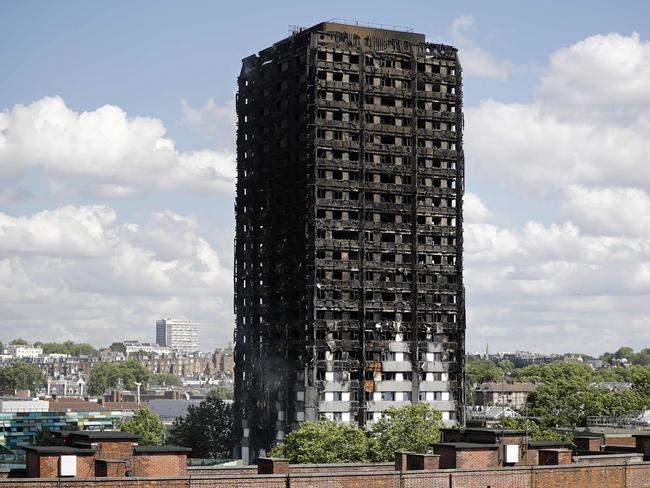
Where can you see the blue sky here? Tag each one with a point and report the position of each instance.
(148, 231)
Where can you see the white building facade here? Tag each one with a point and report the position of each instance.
(180, 335)
(24, 351)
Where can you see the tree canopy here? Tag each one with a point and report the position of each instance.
(642, 357)
(147, 424)
(103, 375)
(168, 379)
(409, 428)
(536, 431)
(68, 347)
(324, 442)
(483, 370)
(570, 392)
(207, 429)
(20, 376)
(222, 392)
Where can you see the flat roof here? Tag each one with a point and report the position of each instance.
(548, 443)
(59, 449)
(366, 31)
(486, 430)
(467, 445)
(105, 435)
(154, 449)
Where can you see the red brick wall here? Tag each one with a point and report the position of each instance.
(329, 468)
(293, 468)
(553, 457)
(477, 458)
(530, 457)
(496, 478)
(110, 470)
(85, 466)
(564, 457)
(261, 481)
(431, 479)
(569, 476)
(221, 470)
(272, 466)
(48, 466)
(114, 449)
(575, 476)
(156, 465)
(341, 480)
(637, 475)
(591, 444)
(621, 440)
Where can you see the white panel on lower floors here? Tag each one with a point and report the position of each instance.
(334, 406)
(337, 416)
(381, 405)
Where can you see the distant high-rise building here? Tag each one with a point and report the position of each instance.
(348, 255)
(180, 335)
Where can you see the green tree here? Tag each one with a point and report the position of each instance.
(556, 371)
(45, 437)
(147, 424)
(482, 371)
(479, 371)
(624, 352)
(207, 429)
(324, 442)
(409, 428)
(68, 347)
(103, 375)
(536, 431)
(20, 376)
(222, 392)
(168, 379)
(19, 342)
(506, 365)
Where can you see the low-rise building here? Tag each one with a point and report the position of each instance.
(180, 335)
(20, 351)
(23, 404)
(513, 395)
(184, 365)
(104, 454)
(22, 419)
(130, 347)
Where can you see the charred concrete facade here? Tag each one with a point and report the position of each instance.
(348, 255)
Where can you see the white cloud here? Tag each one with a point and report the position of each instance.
(614, 211)
(531, 149)
(553, 288)
(219, 122)
(577, 280)
(475, 60)
(70, 231)
(115, 154)
(474, 210)
(603, 72)
(75, 272)
(589, 125)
